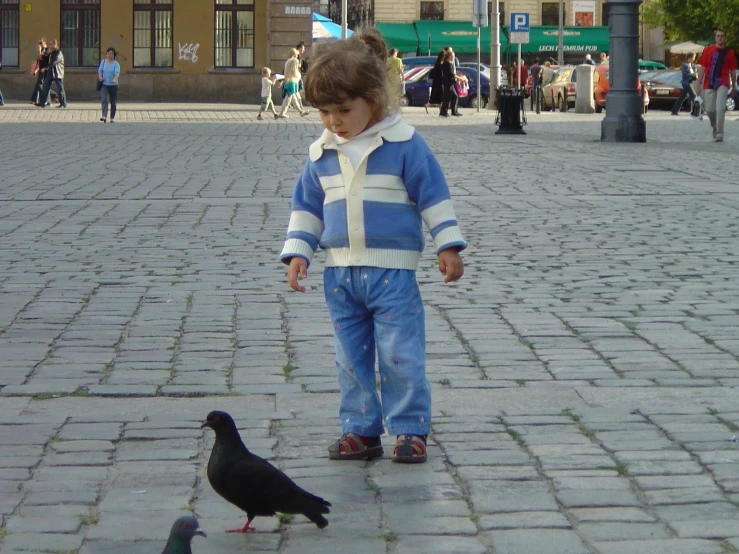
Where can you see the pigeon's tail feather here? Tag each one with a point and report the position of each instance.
(320, 521)
(316, 501)
(312, 507)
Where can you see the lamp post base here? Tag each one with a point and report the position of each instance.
(623, 129)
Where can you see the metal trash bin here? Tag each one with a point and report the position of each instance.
(511, 116)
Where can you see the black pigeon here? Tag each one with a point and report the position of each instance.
(253, 484)
(183, 530)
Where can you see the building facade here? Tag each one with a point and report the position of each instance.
(585, 21)
(179, 50)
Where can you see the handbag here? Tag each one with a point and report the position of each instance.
(462, 88)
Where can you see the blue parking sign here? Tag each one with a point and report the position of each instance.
(520, 22)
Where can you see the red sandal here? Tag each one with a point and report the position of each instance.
(355, 447)
(410, 449)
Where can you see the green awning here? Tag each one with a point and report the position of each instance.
(460, 35)
(576, 40)
(399, 35)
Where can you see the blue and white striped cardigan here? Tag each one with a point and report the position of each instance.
(372, 216)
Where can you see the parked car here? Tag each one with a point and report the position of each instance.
(601, 86)
(408, 74)
(664, 88)
(560, 91)
(486, 71)
(418, 89)
(547, 73)
(421, 61)
(648, 65)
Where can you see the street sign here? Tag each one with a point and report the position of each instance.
(520, 22)
(479, 13)
(519, 28)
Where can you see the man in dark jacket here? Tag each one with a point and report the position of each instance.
(55, 73)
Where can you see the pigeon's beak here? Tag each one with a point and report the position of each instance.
(200, 532)
(204, 425)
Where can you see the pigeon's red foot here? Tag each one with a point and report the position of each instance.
(244, 529)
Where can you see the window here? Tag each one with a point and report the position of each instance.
(432, 10)
(234, 33)
(80, 35)
(550, 13)
(605, 13)
(501, 6)
(9, 30)
(152, 33)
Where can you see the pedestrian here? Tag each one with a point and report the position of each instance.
(603, 58)
(524, 74)
(291, 84)
(267, 104)
(38, 69)
(394, 68)
(687, 76)
(717, 81)
(448, 79)
(588, 60)
(369, 181)
(108, 72)
(54, 73)
(436, 96)
(303, 64)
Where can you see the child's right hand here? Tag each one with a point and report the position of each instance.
(298, 268)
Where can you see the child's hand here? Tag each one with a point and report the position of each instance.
(451, 265)
(298, 268)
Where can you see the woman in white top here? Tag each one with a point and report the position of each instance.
(291, 85)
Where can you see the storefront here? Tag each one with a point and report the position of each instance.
(185, 50)
(428, 37)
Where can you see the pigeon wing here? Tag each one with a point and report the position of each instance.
(258, 488)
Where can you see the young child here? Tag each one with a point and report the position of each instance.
(368, 186)
(267, 103)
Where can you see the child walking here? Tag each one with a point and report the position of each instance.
(368, 186)
(267, 103)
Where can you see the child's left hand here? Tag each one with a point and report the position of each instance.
(451, 265)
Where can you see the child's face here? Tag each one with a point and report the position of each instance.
(267, 74)
(349, 118)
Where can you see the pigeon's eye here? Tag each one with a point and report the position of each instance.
(185, 525)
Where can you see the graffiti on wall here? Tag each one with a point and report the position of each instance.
(188, 51)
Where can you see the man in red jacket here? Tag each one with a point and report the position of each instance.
(717, 80)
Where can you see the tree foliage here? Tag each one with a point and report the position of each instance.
(694, 19)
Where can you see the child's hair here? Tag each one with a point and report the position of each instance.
(266, 71)
(349, 69)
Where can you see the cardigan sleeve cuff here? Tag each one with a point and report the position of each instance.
(451, 237)
(296, 247)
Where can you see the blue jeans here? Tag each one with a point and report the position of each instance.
(48, 79)
(379, 309)
(109, 92)
(687, 91)
(1, 98)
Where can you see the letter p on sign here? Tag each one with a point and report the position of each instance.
(519, 22)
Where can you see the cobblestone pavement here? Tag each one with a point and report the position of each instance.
(585, 369)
